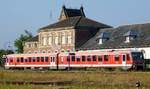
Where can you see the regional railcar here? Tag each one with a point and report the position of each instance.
(81, 59)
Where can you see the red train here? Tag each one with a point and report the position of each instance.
(81, 59)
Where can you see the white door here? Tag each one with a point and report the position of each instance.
(53, 63)
(124, 58)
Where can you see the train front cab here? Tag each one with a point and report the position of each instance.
(138, 60)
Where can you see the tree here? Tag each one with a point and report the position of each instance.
(2, 53)
(20, 42)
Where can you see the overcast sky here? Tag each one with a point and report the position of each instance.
(19, 15)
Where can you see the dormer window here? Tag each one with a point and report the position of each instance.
(130, 35)
(103, 37)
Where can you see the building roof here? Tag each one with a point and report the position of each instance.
(76, 22)
(117, 39)
(34, 39)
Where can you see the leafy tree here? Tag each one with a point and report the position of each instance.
(19, 43)
(4, 52)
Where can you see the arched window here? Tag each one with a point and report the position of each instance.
(56, 40)
(29, 52)
(35, 52)
(69, 38)
(48, 51)
(50, 39)
(35, 45)
(63, 38)
(44, 41)
(43, 51)
(29, 45)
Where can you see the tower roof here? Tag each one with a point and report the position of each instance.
(69, 12)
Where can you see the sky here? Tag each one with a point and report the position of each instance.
(19, 15)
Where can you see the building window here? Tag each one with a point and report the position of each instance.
(29, 52)
(29, 45)
(50, 40)
(48, 51)
(69, 39)
(56, 40)
(131, 35)
(35, 45)
(104, 36)
(35, 52)
(63, 38)
(44, 40)
(43, 51)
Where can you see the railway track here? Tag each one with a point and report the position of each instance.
(51, 83)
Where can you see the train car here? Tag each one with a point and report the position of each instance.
(81, 59)
(29, 61)
(103, 59)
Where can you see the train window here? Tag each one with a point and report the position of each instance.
(128, 57)
(51, 59)
(68, 58)
(46, 59)
(73, 58)
(94, 57)
(105, 57)
(42, 59)
(11, 60)
(38, 59)
(99, 58)
(18, 60)
(124, 57)
(33, 59)
(21, 59)
(116, 57)
(26, 60)
(83, 58)
(88, 58)
(29, 59)
(78, 58)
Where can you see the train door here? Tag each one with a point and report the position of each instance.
(53, 63)
(124, 59)
(6, 61)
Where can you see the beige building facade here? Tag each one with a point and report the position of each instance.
(71, 31)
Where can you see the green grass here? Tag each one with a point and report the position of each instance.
(79, 79)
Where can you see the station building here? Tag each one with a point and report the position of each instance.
(72, 31)
(75, 31)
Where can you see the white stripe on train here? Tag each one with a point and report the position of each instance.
(72, 65)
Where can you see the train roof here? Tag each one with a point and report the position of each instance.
(90, 52)
(31, 55)
(96, 52)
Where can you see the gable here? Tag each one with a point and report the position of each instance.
(67, 13)
(62, 15)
